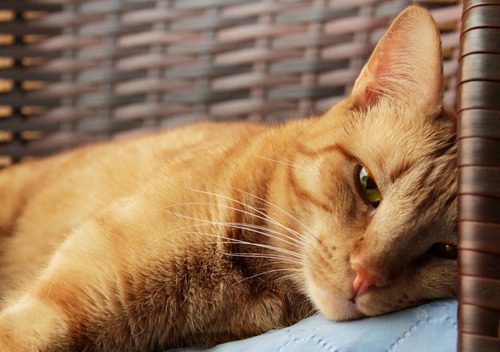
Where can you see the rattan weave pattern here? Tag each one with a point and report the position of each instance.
(479, 175)
(114, 66)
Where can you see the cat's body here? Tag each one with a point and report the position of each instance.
(131, 174)
(214, 232)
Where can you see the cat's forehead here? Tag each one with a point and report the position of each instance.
(392, 140)
(388, 139)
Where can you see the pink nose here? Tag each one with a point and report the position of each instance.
(365, 279)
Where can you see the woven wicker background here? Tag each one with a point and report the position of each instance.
(77, 71)
(479, 175)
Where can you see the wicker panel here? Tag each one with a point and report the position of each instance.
(479, 171)
(18, 32)
(115, 66)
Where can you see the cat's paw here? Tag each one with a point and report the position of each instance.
(9, 342)
(29, 324)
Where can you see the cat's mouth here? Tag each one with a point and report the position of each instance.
(333, 303)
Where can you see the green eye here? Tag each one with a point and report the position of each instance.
(368, 188)
(444, 250)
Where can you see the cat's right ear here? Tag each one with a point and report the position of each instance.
(406, 65)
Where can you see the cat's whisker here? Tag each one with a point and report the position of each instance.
(267, 216)
(217, 236)
(274, 221)
(262, 256)
(283, 211)
(295, 274)
(298, 243)
(233, 225)
(271, 257)
(227, 240)
(267, 272)
(291, 276)
(260, 245)
(243, 226)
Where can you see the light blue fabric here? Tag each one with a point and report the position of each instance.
(428, 328)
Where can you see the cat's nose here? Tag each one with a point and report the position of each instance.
(364, 279)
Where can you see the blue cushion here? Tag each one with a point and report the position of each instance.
(431, 328)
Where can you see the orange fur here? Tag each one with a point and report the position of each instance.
(213, 232)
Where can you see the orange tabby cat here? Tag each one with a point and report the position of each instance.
(212, 232)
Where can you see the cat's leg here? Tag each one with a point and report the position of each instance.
(31, 324)
(72, 291)
(81, 291)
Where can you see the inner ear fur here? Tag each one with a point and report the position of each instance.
(406, 65)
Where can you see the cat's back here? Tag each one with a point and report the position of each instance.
(132, 158)
(163, 146)
(93, 175)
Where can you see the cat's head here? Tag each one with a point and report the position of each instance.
(374, 182)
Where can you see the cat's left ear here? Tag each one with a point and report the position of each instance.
(406, 65)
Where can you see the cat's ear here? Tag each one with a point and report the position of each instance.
(406, 65)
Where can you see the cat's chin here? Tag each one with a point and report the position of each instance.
(332, 303)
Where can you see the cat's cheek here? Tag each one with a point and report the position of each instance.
(331, 302)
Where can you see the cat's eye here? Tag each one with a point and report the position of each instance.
(444, 250)
(367, 186)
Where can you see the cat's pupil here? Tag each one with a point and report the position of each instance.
(444, 250)
(368, 188)
(370, 184)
